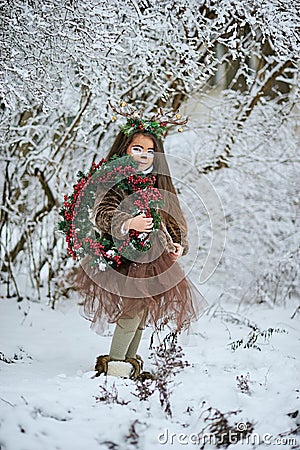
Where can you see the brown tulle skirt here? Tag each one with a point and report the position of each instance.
(152, 284)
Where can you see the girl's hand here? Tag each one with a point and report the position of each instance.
(177, 253)
(140, 223)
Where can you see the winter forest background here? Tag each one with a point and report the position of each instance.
(232, 68)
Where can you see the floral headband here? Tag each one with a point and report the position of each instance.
(156, 125)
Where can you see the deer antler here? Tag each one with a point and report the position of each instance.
(155, 125)
(169, 117)
(124, 114)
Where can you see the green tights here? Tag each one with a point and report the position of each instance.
(126, 338)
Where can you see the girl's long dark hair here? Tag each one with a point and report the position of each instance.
(163, 177)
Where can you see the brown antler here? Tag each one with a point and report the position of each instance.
(161, 116)
(175, 122)
(124, 114)
(157, 116)
(169, 117)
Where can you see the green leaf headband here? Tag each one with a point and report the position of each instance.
(157, 125)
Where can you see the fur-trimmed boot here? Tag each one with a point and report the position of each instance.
(136, 364)
(129, 368)
(138, 373)
(101, 365)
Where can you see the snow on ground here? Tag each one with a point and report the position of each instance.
(48, 398)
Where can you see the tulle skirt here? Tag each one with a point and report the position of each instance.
(152, 285)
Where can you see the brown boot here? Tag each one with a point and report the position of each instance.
(136, 367)
(138, 373)
(101, 365)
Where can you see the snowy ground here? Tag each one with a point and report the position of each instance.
(48, 398)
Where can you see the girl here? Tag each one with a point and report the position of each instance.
(151, 289)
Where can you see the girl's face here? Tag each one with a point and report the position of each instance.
(141, 149)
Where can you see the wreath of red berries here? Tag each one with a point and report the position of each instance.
(81, 236)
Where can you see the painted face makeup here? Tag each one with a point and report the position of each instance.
(138, 151)
(142, 151)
